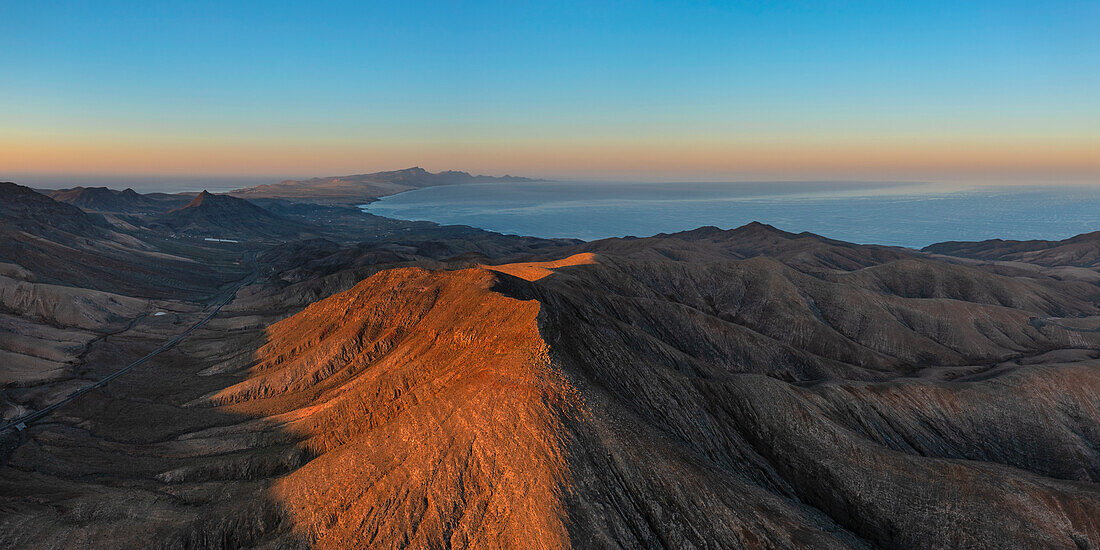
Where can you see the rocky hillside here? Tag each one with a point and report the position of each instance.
(47, 241)
(707, 244)
(647, 397)
(227, 217)
(24, 209)
(1079, 251)
(727, 389)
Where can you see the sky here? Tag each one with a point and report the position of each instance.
(940, 91)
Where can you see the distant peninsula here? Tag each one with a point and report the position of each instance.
(364, 188)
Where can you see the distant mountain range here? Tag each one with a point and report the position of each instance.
(49, 241)
(363, 188)
(127, 201)
(267, 212)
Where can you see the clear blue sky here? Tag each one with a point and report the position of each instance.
(555, 88)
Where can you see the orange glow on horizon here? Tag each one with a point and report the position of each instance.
(561, 158)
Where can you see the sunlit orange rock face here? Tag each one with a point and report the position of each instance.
(432, 409)
(657, 395)
(533, 271)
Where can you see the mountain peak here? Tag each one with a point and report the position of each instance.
(758, 227)
(750, 229)
(206, 200)
(201, 198)
(226, 216)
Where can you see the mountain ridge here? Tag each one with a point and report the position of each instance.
(103, 199)
(1081, 250)
(646, 395)
(30, 210)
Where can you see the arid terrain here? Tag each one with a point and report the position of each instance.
(377, 383)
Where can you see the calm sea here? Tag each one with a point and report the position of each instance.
(904, 214)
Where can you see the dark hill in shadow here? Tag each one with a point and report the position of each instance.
(54, 242)
(1079, 251)
(227, 217)
(127, 201)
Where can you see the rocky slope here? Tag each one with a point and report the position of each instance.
(27, 210)
(227, 217)
(1080, 251)
(47, 241)
(646, 402)
(69, 280)
(707, 244)
(749, 388)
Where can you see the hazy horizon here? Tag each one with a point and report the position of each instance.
(220, 183)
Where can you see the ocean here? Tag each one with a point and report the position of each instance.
(901, 214)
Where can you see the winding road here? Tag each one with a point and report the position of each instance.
(20, 423)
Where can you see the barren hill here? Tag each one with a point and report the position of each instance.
(227, 217)
(625, 400)
(28, 210)
(751, 240)
(1079, 251)
(749, 388)
(53, 242)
